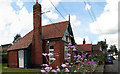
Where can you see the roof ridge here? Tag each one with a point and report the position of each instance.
(84, 44)
(54, 23)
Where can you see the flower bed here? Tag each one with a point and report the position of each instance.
(81, 63)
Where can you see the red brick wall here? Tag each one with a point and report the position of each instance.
(58, 52)
(12, 59)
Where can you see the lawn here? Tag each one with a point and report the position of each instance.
(16, 70)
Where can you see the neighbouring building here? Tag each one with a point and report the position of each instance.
(51, 38)
(5, 47)
(89, 48)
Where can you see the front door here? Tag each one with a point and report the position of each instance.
(21, 58)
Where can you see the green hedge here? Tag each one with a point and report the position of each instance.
(4, 58)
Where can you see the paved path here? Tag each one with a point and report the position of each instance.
(112, 67)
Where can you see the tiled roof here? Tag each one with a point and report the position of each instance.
(49, 31)
(84, 47)
(96, 47)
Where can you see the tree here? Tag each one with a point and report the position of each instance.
(103, 45)
(16, 38)
(113, 49)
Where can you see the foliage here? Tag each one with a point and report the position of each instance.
(103, 45)
(4, 57)
(113, 49)
(80, 63)
(99, 58)
(16, 38)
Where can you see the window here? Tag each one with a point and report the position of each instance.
(67, 38)
(51, 50)
(65, 53)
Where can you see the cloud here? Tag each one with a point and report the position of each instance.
(111, 39)
(87, 7)
(20, 21)
(79, 40)
(47, 6)
(108, 20)
(45, 22)
(13, 22)
(73, 20)
(20, 3)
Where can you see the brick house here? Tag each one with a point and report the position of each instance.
(27, 52)
(89, 48)
(5, 47)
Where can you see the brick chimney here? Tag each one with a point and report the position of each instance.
(37, 58)
(84, 41)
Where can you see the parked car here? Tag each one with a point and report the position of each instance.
(109, 59)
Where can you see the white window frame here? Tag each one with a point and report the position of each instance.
(65, 55)
(50, 52)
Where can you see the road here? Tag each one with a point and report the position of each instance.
(112, 67)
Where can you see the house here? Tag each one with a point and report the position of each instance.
(51, 38)
(89, 48)
(5, 47)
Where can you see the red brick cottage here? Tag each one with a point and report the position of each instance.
(27, 52)
(89, 48)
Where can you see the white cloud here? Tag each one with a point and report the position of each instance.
(13, 22)
(47, 6)
(45, 22)
(111, 39)
(73, 20)
(79, 40)
(20, 3)
(107, 24)
(87, 7)
(108, 20)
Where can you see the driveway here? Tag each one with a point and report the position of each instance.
(112, 67)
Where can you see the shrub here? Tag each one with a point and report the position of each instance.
(81, 63)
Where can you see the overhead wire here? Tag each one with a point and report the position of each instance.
(52, 22)
(94, 17)
(57, 10)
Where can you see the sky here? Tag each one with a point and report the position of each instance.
(94, 20)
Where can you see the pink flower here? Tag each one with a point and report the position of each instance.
(66, 70)
(74, 49)
(42, 70)
(44, 54)
(68, 54)
(75, 56)
(50, 54)
(45, 65)
(69, 66)
(70, 44)
(48, 68)
(63, 65)
(57, 67)
(67, 63)
(53, 59)
(69, 57)
(58, 70)
(66, 47)
(75, 71)
(85, 59)
(53, 70)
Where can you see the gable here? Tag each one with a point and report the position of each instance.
(50, 31)
(68, 33)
